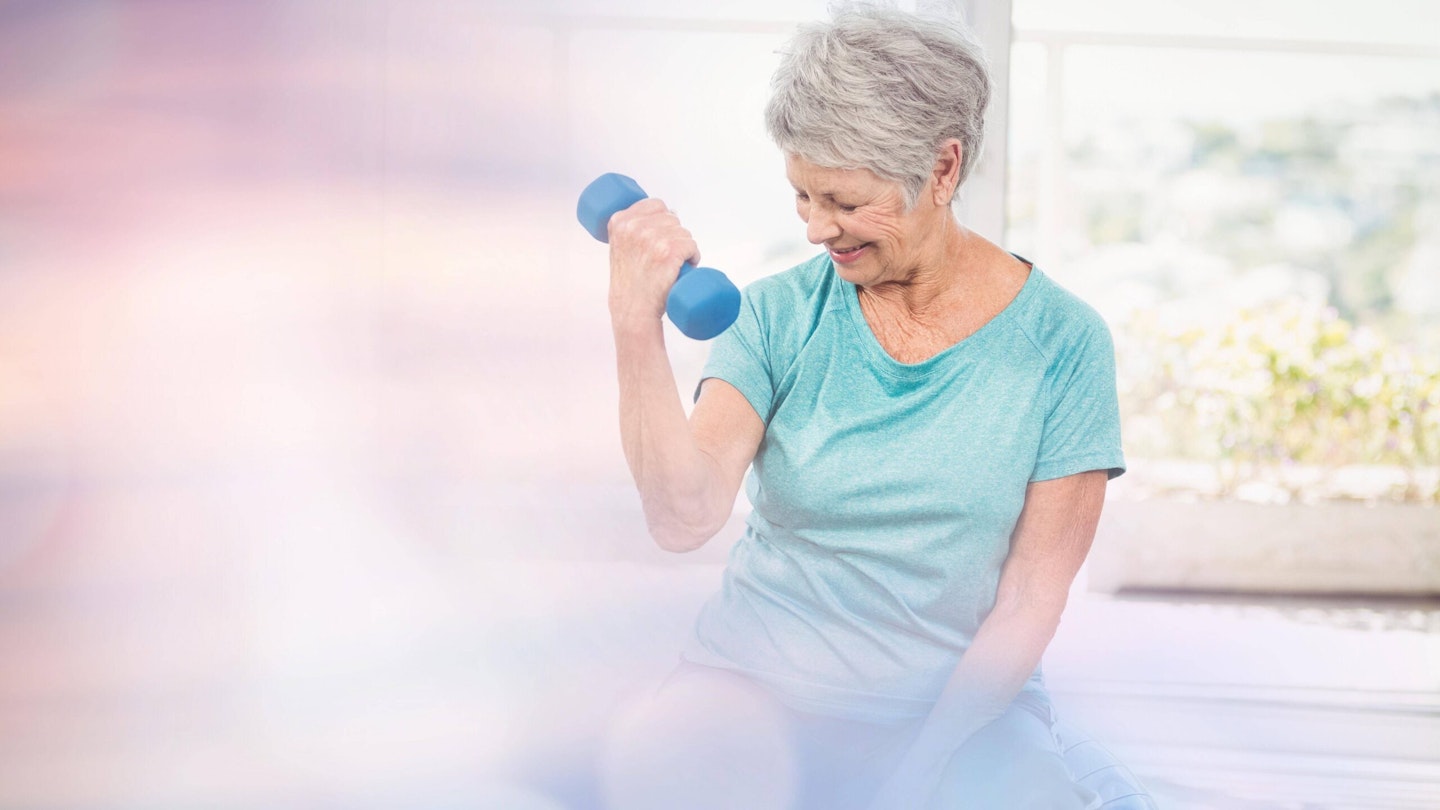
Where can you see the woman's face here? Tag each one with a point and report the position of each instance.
(861, 219)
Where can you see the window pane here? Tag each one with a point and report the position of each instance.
(1257, 225)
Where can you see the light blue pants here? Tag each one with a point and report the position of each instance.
(1012, 764)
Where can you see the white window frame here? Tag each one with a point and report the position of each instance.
(982, 205)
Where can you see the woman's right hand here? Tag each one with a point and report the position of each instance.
(647, 246)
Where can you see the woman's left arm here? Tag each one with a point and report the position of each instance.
(1051, 539)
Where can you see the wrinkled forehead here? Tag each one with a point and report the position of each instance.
(816, 179)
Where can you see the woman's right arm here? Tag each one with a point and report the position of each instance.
(687, 471)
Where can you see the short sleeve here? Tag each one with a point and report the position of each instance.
(1082, 425)
(739, 356)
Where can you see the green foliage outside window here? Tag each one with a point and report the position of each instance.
(1280, 389)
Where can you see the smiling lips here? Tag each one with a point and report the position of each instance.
(847, 255)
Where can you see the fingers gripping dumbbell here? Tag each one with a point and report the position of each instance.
(703, 302)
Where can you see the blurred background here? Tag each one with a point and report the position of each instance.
(311, 491)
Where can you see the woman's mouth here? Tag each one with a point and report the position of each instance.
(847, 255)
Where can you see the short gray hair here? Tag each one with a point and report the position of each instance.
(880, 89)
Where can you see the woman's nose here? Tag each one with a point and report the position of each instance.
(820, 226)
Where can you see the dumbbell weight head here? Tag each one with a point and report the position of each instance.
(606, 196)
(703, 303)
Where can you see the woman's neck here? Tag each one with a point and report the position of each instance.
(943, 272)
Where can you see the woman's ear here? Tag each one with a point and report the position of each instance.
(945, 177)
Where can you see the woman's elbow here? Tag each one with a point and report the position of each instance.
(678, 538)
(677, 533)
(1040, 609)
(684, 524)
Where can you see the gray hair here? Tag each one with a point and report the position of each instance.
(880, 89)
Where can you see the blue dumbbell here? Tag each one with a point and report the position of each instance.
(702, 303)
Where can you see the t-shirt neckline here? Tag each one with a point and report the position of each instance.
(851, 293)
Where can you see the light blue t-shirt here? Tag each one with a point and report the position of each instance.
(885, 493)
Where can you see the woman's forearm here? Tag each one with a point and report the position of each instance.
(1005, 650)
(680, 485)
(1004, 653)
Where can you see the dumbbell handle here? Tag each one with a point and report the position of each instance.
(703, 302)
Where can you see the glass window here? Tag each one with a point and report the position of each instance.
(1255, 217)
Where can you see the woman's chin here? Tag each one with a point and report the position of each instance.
(858, 273)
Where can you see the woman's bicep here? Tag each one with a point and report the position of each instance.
(727, 429)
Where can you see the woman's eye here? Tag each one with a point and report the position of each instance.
(848, 209)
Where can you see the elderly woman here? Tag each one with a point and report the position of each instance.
(929, 421)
